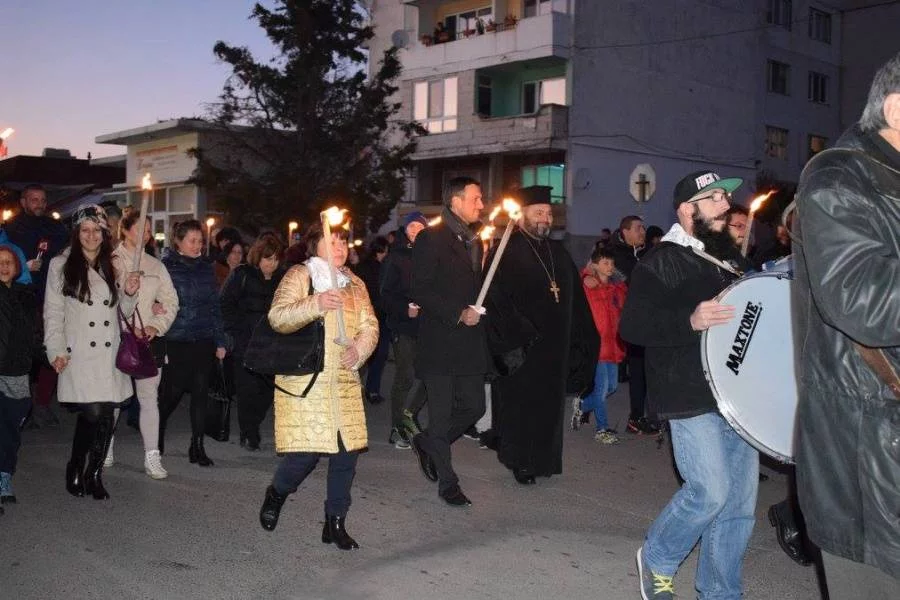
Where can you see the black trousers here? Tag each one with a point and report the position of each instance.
(455, 403)
(187, 370)
(12, 413)
(254, 397)
(295, 467)
(637, 384)
(405, 380)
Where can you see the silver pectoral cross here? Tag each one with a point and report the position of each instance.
(554, 289)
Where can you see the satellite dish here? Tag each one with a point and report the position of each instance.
(400, 38)
(582, 179)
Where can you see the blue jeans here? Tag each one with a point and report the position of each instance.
(606, 380)
(715, 505)
(296, 466)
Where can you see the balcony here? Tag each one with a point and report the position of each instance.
(546, 129)
(534, 37)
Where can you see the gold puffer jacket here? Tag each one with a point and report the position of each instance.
(334, 404)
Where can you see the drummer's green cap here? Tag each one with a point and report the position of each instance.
(701, 182)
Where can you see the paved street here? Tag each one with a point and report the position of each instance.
(196, 534)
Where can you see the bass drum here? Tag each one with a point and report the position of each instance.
(749, 363)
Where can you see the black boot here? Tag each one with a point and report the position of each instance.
(271, 509)
(334, 532)
(81, 443)
(197, 454)
(93, 482)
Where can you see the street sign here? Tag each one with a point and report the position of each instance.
(642, 183)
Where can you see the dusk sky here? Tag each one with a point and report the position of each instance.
(74, 70)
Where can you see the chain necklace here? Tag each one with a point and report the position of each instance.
(551, 272)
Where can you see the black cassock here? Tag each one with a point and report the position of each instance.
(549, 347)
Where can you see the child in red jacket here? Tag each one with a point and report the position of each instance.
(606, 298)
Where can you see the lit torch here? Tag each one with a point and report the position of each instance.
(334, 217)
(147, 187)
(754, 206)
(3, 135)
(435, 221)
(514, 212)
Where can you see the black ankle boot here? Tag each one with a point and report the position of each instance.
(81, 443)
(197, 454)
(271, 509)
(334, 532)
(93, 482)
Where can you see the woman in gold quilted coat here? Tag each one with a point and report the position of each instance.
(330, 420)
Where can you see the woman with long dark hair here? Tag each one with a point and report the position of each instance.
(81, 333)
(195, 339)
(330, 421)
(246, 298)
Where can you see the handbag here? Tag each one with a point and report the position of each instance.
(218, 406)
(134, 357)
(300, 353)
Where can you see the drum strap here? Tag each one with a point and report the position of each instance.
(719, 263)
(882, 367)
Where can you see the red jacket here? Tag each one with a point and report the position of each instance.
(606, 302)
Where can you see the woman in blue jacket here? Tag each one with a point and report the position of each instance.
(196, 338)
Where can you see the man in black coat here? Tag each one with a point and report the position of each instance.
(452, 351)
(671, 301)
(541, 329)
(845, 301)
(402, 318)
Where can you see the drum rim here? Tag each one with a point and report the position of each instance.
(723, 408)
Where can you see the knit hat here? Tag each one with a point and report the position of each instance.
(415, 217)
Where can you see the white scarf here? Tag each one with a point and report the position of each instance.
(320, 275)
(677, 235)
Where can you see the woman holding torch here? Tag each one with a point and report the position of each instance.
(330, 420)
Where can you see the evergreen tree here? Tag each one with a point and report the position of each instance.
(308, 129)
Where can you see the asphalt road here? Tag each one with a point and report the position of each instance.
(196, 534)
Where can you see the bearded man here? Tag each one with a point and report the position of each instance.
(542, 336)
(671, 300)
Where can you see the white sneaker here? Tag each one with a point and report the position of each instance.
(577, 413)
(110, 460)
(153, 465)
(606, 436)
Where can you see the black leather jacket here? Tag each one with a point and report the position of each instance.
(846, 289)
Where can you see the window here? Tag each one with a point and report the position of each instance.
(778, 77)
(181, 199)
(779, 13)
(484, 95)
(776, 142)
(538, 93)
(552, 175)
(817, 87)
(534, 8)
(815, 144)
(434, 104)
(819, 25)
(458, 24)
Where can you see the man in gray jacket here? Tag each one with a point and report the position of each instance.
(846, 308)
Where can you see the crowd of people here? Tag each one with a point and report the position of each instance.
(504, 360)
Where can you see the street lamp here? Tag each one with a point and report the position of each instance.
(209, 223)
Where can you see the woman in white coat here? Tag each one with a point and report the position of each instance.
(156, 288)
(81, 333)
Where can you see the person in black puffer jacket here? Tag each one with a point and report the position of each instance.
(246, 298)
(402, 319)
(18, 345)
(196, 338)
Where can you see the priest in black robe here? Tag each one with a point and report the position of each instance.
(543, 340)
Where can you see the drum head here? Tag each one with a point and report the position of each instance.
(749, 363)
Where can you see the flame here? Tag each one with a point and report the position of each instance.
(512, 209)
(7, 214)
(145, 182)
(357, 243)
(210, 222)
(759, 200)
(6, 133)
(293, 225)
(435, 221)
(487, 232)
(494, 213)
(56, 215)
(334, 215)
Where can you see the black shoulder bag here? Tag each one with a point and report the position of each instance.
(298, 353)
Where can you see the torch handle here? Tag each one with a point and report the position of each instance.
(745, 245)
(142, 225)
(494, 263)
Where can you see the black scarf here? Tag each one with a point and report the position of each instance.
(465, 234)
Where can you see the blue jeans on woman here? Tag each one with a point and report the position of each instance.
(715, 505)
(606, 381)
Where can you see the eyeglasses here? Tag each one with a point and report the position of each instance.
(716, 196)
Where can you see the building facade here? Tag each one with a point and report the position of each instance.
(576, 94)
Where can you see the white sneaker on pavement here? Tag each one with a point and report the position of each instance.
(153, 465)
(110, 459)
